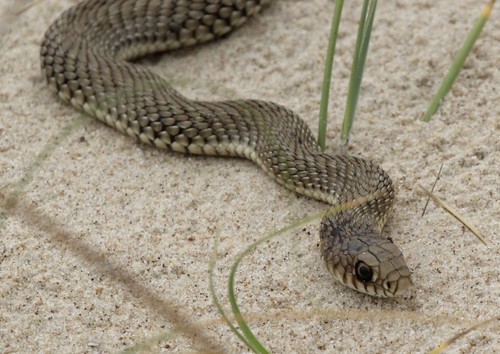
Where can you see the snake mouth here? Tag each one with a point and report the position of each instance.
(387, 289)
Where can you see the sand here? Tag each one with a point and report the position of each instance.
(105, 244)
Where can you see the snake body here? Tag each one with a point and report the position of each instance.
(86, 58)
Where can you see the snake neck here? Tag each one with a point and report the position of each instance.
(360, 191)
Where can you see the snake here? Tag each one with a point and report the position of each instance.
(89, 58)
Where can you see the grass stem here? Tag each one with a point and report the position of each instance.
(358, 64)
(327, 75)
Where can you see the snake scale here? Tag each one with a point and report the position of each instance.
(86, 58)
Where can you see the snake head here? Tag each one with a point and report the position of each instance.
(368, 263)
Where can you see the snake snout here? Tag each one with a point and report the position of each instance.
(391, 274)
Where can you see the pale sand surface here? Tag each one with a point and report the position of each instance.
(106, 243)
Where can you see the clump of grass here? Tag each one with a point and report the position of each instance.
(357, 69)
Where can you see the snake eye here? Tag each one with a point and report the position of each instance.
(363, 272)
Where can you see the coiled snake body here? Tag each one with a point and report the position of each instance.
(86, 57)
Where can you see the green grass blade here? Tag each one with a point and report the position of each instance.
(254, 344)
(367, 32)
(327, 75)
(252, 341)
(362, 42)
(215, 299)
(459, 60)
(351, 96)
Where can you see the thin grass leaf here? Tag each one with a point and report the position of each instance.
(255, 345)
(449, 342)
(215, 299)
(432, 189)
(358, 63)
(455, 214)
(459, 61)
(327, 75)
(11, 200)
(367, 32)
(351, 95)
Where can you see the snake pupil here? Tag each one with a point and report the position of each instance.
(363, 272)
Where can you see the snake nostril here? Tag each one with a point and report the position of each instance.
(363, 272)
